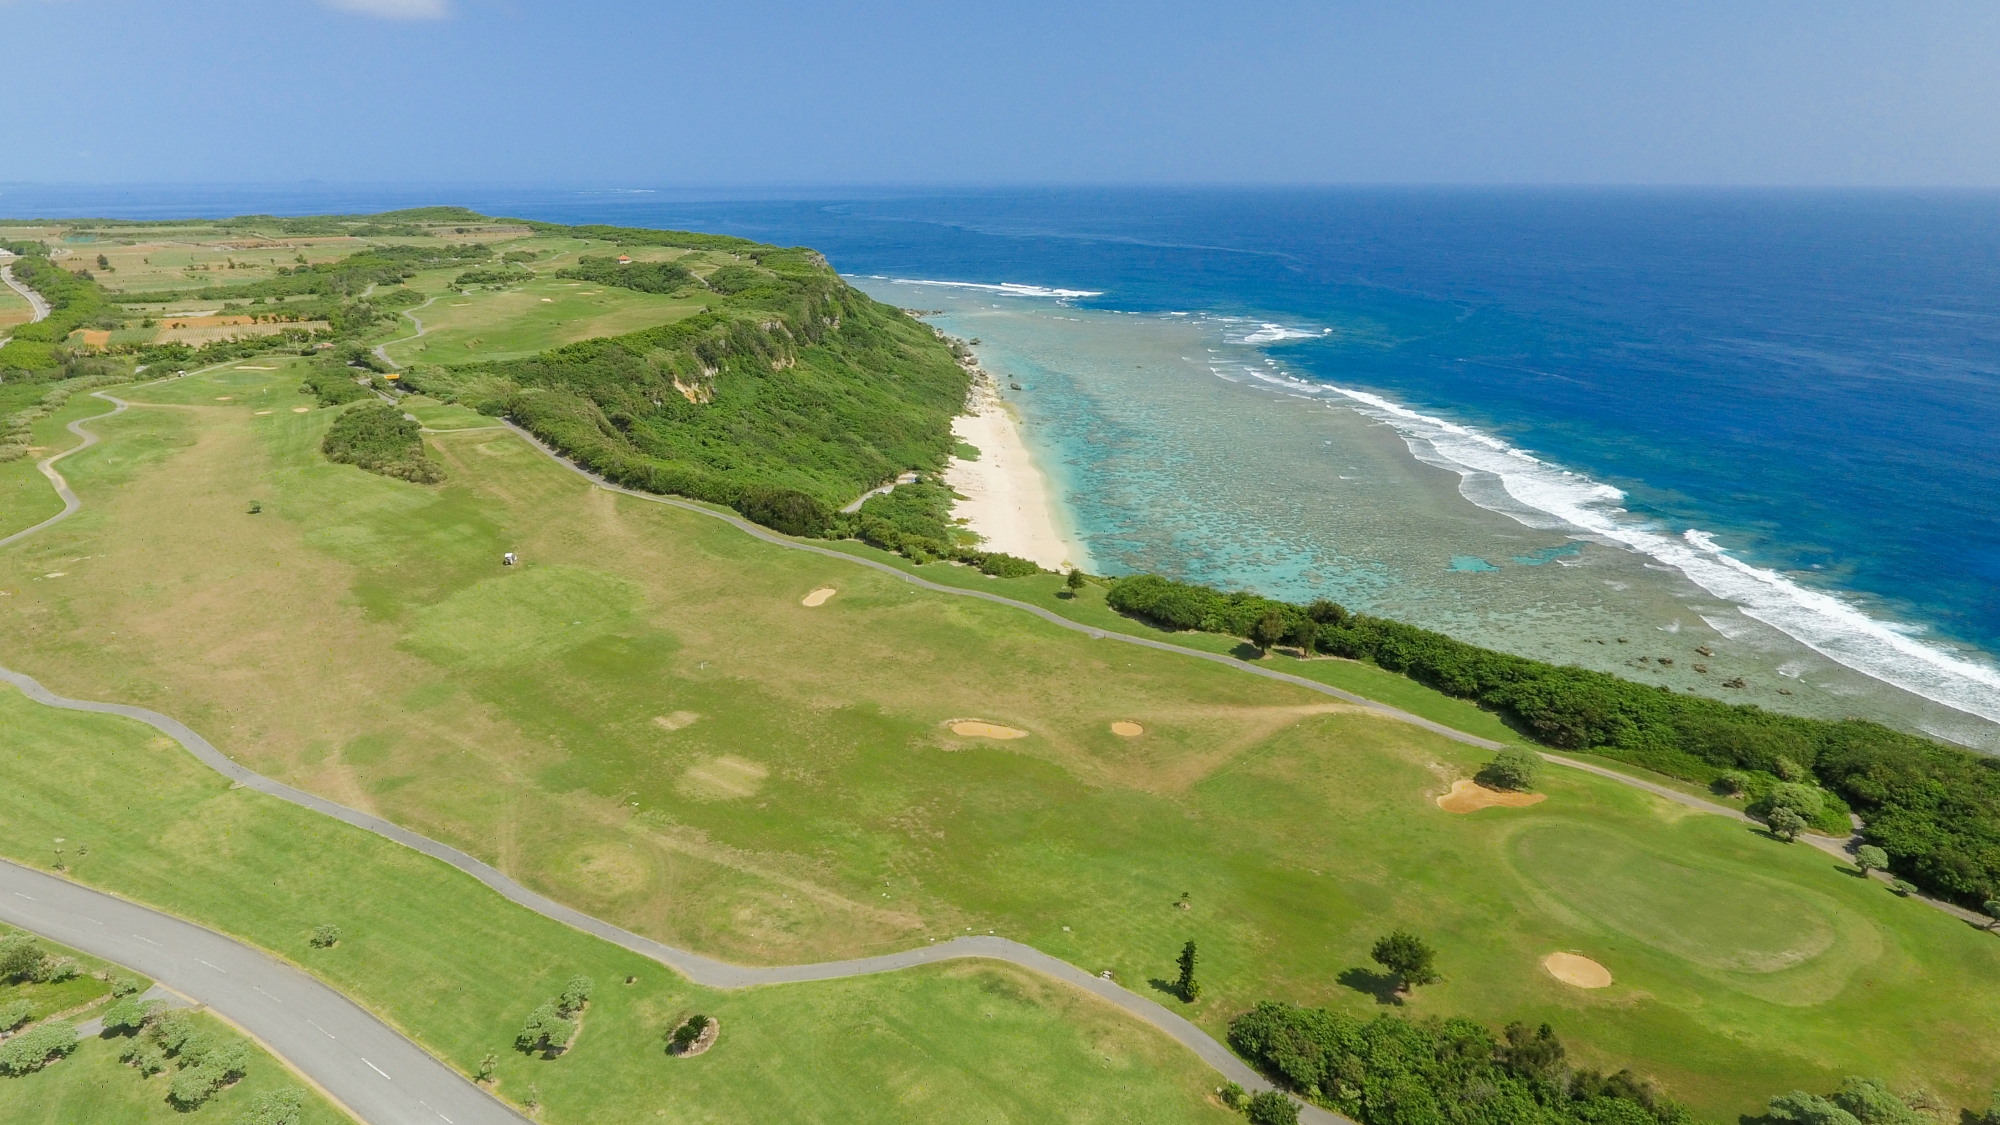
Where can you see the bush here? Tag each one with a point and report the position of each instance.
(378, 439)
(1786, 823)
(333, 383)
(1801, 799)
(20, 956)
(132, 1014)
(14, 1014)
(126, 986)
(784, 509)
(546, 1031)
(1732, 782)
(1513, 768)
(55, 970)
(574, 996)
(324, 936)
(689, 1032)
(283, 1106)
(1271, 1108)
(643, 277)
(37, 1047)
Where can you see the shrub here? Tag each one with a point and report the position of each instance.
(324, 936)
(1871, 858)
(378, 439)
(643, 277)
(1801, 799)
(333, 383)
(1786, 823)
(283, 1106)
(575, 995)
(126, 986)
(1001, 565)
(20, 956)
(1903, 887)
(784, 509)
(14, 1014)
(36, 1047)
(546, 1031)
(55, 970)
(689, 1032)
(1232, 1095)
(131, 1014)
(1732, 782)
(1271, 1108)
(1513, 768)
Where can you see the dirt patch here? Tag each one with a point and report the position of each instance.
(818, 597)
(1577, 970)
(1126, 729)
(1468, 795)
(726, 778)
(679, 720)
(979, 728)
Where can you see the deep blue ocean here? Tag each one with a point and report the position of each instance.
(1813, 377)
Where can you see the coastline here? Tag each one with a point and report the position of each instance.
(1007, 498)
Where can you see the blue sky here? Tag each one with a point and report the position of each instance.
(751, 92)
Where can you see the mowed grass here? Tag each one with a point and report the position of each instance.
(458, 968)
(91, 1085)
(644, 721)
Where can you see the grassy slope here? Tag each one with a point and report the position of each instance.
(360, 639)
(459, 968)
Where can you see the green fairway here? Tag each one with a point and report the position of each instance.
(458, 968)
(643, 720)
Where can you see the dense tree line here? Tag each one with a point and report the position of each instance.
(643, 277)
(1395, 1071)
(377, 438)
(915, 521)
(345, 279)
(75, 301)
(1934, 809)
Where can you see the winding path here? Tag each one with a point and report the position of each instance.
(38, 308)
(48, 467)
(719, 974)
(381, 351)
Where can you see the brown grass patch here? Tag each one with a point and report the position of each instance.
(679, 720)
(1468, 795)
(979, 728)
(1577, 970)
(722, 779)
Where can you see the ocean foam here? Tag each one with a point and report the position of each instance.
(1498, 476)
(1009, 288)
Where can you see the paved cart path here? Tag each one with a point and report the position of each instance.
(368, 1067)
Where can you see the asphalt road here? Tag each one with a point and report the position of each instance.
(371, 1069)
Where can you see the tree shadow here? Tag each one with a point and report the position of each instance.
(1384, 987)
(1169, 987)
(1247, 651)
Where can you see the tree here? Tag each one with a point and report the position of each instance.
(1512, 768)
(1303, 632)
(546, 1031)
(1190, 988)
(15, 1014)
(1271, 1108)
(1801, 1108)
(689, 1033)
(282, 1106)
(34, 1048)
(1269, 630)
(20, 956)
(1785, 823)
(1326, 612)
(1871, 858)
(1409, 957)
(1801, 799)
(487, 1066)
(1073, 582)
(575, 995)
(132, 1014)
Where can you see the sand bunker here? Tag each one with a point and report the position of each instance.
(1127, 730)
(1468, 795)
(263, 412)
(723, 779)
(974, 728)
(819, 596)
(1576, 970)
(300, 409)
(677, 720)
(222, 398)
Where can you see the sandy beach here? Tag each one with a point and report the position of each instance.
(1007, 499)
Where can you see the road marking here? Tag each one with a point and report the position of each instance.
(321, 1030)
(378, 1070)
(147, 940)
(427, 1105)
(93, 921)
(217, 968)
(274, 999)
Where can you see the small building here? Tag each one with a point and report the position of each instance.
(624, 259)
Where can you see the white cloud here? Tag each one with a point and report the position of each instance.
(393, 9)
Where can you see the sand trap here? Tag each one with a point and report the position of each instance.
(256, 369)
(974, 728)
(300, 409)
(222, 398)
(676, 721)
(819, 596)
(1576, 970)
(548, 300)
(723, 779)
(263, 412)
(1468, 795)
(1127, 730)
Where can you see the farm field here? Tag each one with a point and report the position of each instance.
(458, 968)
(644, 721)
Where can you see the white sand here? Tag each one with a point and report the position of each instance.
(1007, 499)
